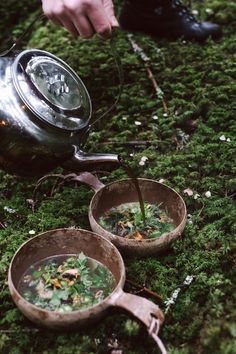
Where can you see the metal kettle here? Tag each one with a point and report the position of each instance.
(45, 113)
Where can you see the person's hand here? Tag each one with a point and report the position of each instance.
(82, 17)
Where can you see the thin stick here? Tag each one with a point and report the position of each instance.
(141, 54)
(13, 331)
(135, 142)
(58, 176)
(127, 143)
(158, 91)
(144, 289)
(2, 225)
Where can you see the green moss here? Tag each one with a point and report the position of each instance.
(198, 82)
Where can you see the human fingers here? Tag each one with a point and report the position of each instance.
(83, 26)
(75, 15)
(48, 10)
(83, 17)
(109, 8)
(89, 17)
(99, 20)
(67, 23)
(55, 11)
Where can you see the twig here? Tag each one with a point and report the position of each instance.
(135, 142)
(55, 185)
(2, 225)
(199, 213)
(127, 143)
(170, 301)
(158, 90)
(58, 176)
(144, 289)
(141, 54)
(13, 331)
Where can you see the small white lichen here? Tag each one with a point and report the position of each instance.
(209, 11)
(222, 138)
(171, 300)
(143, 160)
(208, 194)
(9, 210)
(189, 219)
(195, 12)
(188, 280)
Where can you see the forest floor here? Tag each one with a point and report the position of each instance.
(183, 135)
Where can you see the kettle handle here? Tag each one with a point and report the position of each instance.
(16, 44)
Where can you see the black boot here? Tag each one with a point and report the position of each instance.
(165, 18)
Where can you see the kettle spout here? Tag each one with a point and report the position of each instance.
(83, 161)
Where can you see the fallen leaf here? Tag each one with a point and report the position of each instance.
(138, 236)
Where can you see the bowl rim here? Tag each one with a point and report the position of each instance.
(119, 286)
(147, 240)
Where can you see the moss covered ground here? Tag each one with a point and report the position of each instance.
(191, 146)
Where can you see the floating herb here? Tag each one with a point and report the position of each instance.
(65, 283)
(126, 221)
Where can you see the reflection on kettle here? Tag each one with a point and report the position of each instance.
(45, 112)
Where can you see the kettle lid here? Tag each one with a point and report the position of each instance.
(51, 90)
